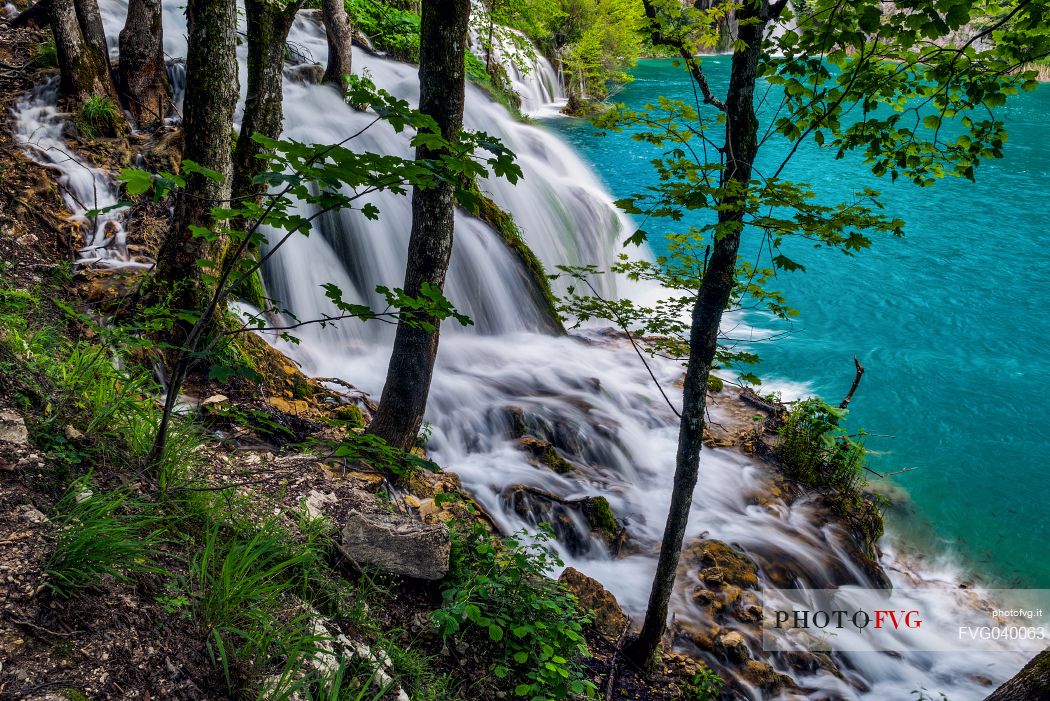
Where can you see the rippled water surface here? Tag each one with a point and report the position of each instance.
(950, 323)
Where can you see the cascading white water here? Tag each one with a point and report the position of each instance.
(532, 76)
(586, 393)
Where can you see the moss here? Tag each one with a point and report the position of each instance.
(74, 695)
(349, 413)
(489, 212)
(251, 290)
(302, 389)
(715, 384)
(600, 516)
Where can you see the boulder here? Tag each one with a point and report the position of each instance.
(396, 544)
(609, 618)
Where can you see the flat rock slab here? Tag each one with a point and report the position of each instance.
(13, 428)
(396, 544)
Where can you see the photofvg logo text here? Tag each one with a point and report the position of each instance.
(942, 619)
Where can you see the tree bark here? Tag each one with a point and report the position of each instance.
(443, 44)
(85, 70)
(90, 20)
(211, 96)
(268, 27)
(142, 74)
(340, 40)
(716, 287)
(1030, 684)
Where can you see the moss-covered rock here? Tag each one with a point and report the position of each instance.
(600, 516)
(544, 454)
(486, 210)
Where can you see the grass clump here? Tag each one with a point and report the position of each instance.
(98, 116)
(528, 628)
(99, 533)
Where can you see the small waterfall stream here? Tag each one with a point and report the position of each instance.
(586, 393)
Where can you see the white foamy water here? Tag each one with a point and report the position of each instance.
(586, 394)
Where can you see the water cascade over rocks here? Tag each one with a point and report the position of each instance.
(520, 412)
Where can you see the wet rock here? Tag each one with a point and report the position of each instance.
(295, 407)
(13, 428)
(720, 563)
(733, 646)
(544, 454)
(396, 544)
(762, 675)
(308, 73)
(609, 618)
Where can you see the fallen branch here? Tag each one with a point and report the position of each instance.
(856, 381)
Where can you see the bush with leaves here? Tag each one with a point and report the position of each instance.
(498, 598)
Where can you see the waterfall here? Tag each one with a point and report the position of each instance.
(585, 393)
(532, 76)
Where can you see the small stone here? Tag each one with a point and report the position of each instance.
(215, 399)
(71, 433)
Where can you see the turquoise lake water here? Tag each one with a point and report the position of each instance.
(950, 323)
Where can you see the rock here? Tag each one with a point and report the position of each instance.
(609, 618)
(733, 645)
(1032, 683)
(215, 399)
(316, 500)
(396, 544)
(295, 407)
(719, 562)
(71, 433)
(543, 453)
(762, 675)
(309, 73)
(13, 428)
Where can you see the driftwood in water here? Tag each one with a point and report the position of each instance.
(856, 381)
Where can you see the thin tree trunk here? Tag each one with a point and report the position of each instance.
(211, 96)
(90, 20)
(85, 72)
(443, 44)
(141, 73)
(268, 27)
(712, 298)
(340, 40)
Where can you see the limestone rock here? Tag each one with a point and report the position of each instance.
(762, 675)
(13, 428)
(609, 618)
(396, 544)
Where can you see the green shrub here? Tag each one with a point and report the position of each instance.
(815, 451)
(704, 686)
(500, 601)
(390, 29)
(99, 533)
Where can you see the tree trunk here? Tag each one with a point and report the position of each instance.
(141, 73)
(85, 70)
(90, 20)
(340, 40)
(268, 27)
(443, 44)
(711, 301)
(211, 96)
(1030, 684)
